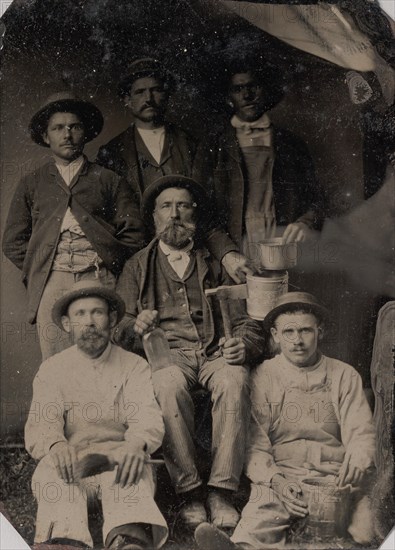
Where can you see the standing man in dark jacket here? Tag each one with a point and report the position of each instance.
(263, 176)
(164, 284)
(70, 219)
(152, 147)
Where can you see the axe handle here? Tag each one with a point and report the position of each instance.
(226, 318)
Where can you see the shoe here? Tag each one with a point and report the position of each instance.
(223, 514)
(123, 542)
(208, 537)
(193, 513)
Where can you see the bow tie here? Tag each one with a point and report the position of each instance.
(247, 129)
(174, 256)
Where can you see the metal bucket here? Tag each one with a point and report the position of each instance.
(328, 508)
(273, 254)
(263, 293)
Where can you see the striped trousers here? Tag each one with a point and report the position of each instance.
(229, 388)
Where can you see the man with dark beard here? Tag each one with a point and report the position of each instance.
(163, 285)
(94, 397)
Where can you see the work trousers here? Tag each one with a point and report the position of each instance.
(228, 385)
(52, 339)
(265, 521)
(63, 513)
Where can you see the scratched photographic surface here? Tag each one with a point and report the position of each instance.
(327, 75)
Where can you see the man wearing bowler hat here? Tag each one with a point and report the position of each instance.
(310, 419)
(94, 397)
(164, 285)
(70, 219)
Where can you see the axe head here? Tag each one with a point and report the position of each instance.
(228, 292)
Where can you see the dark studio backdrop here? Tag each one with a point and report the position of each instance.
(86, 45)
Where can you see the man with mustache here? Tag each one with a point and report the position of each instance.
(310, 419)
(94, 397)
(163, 285)
(263, 176)
(69, 219)
(151, 147)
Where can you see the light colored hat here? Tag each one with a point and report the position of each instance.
(87, 289)
(292, 301)
(66, 102)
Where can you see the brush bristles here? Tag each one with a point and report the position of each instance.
(93, 464)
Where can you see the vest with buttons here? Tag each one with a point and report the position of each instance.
(179, 303)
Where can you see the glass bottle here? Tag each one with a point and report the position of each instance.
(157, 349)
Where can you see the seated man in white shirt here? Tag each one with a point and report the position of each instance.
(94, 397)
(310, 419)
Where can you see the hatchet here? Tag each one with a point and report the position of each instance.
(224, 294)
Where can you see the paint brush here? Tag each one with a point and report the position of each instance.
(97, 463)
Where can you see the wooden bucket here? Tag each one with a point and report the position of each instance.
(328, 508)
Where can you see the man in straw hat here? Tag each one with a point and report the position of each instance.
(94, 397)
(164, 285)
(70, 219)
(310, 419)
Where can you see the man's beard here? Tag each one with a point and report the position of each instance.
(177, 234)
(92, 341)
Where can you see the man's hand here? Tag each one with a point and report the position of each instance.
(64, 458)
(234, 351)
(146, 320)
(289, 492)
(130, 457)
(236, 266)
(297, 232)
(349, 474)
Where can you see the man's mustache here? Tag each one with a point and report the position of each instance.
(149, 105)
(89, 332)
(173, 224)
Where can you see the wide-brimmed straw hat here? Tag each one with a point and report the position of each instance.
(66, 102)
(294, 301)
(139, 68)
(87, 289)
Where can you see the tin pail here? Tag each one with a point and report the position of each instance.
(274, 254)
(328, 508)
(263, 293)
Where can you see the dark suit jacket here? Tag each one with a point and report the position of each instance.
(295, 189)
(101, 202)
(137, 287)
(120, 155)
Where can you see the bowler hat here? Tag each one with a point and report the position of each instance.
(140, 68)
(165, 182)
(87, 289)
(66, 102)
(294, 301)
